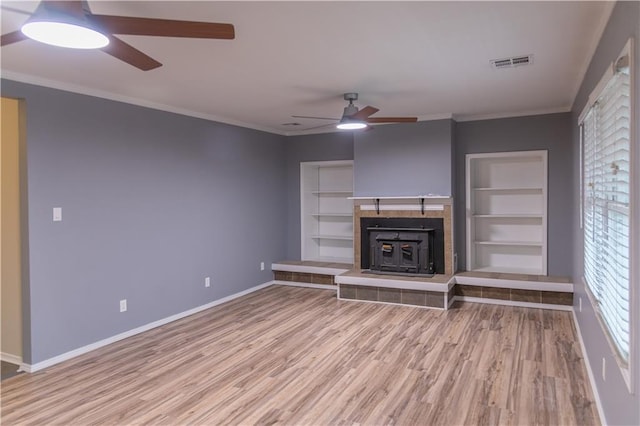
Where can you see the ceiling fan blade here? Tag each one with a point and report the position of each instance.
(12, 37)
(316, 118)
(392, 119)
(364, 113)
(163, 27)
(129, 54)
(318, 127)
(73, 8)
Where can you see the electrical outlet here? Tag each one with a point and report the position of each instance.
(123, 305)
(262, 266)
(580, 304)
(207, 282)
(604, 370)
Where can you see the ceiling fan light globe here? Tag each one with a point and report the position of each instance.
(64, 34)
(351, 125)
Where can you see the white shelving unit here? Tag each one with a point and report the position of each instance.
(507, 212)
(326, 211)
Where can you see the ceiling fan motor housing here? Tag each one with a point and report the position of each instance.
(349, 110)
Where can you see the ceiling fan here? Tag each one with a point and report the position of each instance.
(354, 119)
(71, 24)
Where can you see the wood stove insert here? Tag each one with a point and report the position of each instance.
(406, 246)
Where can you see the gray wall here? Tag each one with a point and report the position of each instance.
(322, 147)
(404, 159)
(550, 132)
(619, 405)
(152, 203)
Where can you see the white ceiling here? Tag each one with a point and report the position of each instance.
(425, 59)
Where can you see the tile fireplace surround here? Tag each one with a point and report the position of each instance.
(404, 207)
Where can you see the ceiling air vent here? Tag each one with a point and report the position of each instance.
(515, 61)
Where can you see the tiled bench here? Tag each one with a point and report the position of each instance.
(439, 291)
(308, 273)
(515, 289)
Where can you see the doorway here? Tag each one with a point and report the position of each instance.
(10, 238)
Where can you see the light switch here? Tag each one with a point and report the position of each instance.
(57, 214)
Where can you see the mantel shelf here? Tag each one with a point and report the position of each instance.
(407, 197)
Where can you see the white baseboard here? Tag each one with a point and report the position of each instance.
(10, 358)
(514, 303)
(307, 285)
(30, 368)
(592, 380)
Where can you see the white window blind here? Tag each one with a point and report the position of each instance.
(606, 185)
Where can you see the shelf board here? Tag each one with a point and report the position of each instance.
(345, 215)
(332, 259)
(510, 216)
(506, 270)
(514, 189)
(332, 237)
(510, 243)
(332, 192)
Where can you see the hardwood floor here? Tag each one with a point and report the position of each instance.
(299, 356)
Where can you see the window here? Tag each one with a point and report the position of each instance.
(606, 168)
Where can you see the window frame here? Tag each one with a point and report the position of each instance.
(626, 366)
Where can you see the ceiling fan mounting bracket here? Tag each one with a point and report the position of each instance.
(350, 97)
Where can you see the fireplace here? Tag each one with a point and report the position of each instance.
(401, 250)
(407, 245)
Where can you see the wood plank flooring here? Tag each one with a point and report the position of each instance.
(298, 356)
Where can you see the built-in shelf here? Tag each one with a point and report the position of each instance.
(326, 211)
(507, 212)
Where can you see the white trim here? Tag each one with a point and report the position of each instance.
(73, 88)
(592, 380)
(387, 281)
(403, 197)
(306, 285)
(634, 216)
(321, 270)
(514, 303)
(470, 212)
(515, 284)
(497, 115)
(407, 207)
(10, 358)
(31, 368)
